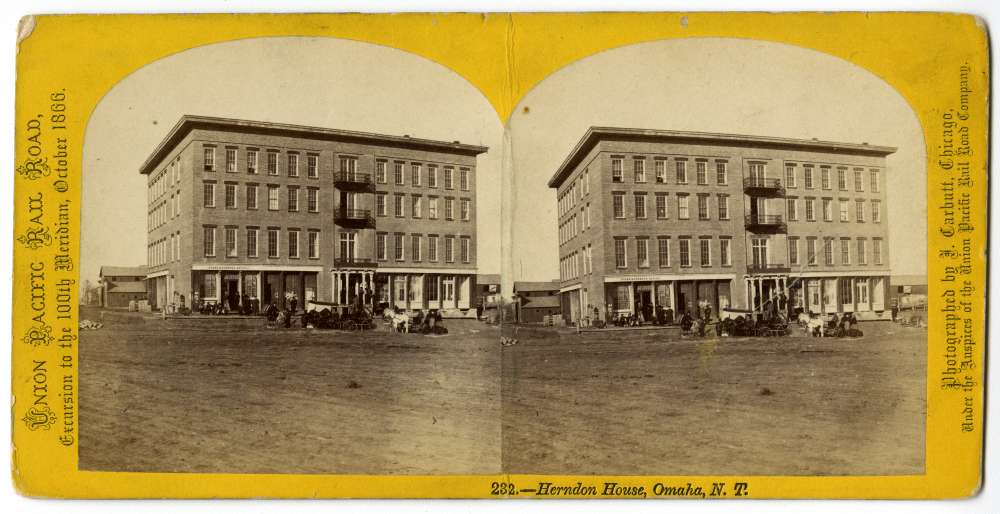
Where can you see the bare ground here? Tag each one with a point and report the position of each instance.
(155, 397)
(636, 402)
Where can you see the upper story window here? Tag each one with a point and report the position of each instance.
(397, 168)
(842, 179)
(682, 173)
(701, 172)
(790, 175)
(312, 166)
(416, 171)
(432, 176)
(661, 170)
(449, 173)
(463, 179)
(618, 204)
(349, 165)
(825, 177)
(272, 163)
(209, 194)
(875, 180)
(721, 172)
(272, 198)
(230, 160)
(807, 177)
(252, 162)
(859, 181)
(381, 175)
(293, 165)
(209, 158)
(639, 169)
(616, 170)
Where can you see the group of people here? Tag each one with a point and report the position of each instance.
(845, 325)
(414, 321)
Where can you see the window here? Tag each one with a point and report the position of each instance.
(859, 210)
(876, 211)
(381, 239)
(616, 169)
(449, 248)
(682, 174)
(465, 245)
(252, 242)
(397, 173)
(293, 165)
(825, 177)
(415, 247)
(432, 207)
(312, 199)
(640, 205)
(661, 171)
(721, 173)
(465, 209)
(661, 206)
(875, 181)
(314, 244)
(621, 259)
(725, 256)
(827, 209)
(807, 177)
(810, 209)
(432, 248)
(272, 243)
(252, 162)
(380, 207)
(209, 242)
(844, 211)
(663, 251)
(312, 166)
(293, 244)
(792, 207)
(432, 176)
(230, 234)
(683, 211)
(251, 196)
(398, 250)
(793, 251)
(811, 251)
(618, 205)
(348, 246)
(397, 207)
(789, 175)
(416, 175)
(723, 201)
(449, 208)
(705, 250)
(272, 197)
(862, 252)
(842, 179)
(639, 167)
(703, 207)
(230, 160)
(463, 180)
(845, 251)
(859, 181)
(448, 177)
(828, 251)
(293, 199)
(685, 253)
(272, 163)
(209, 159)
(846, 290)
(209, 194)
(380, 172)
(701, 172)
(415, 206)
(210, 286)
(642, 252)
(877, 251)
(230, 196)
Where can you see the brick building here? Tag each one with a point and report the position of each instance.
(242, 210)
(653, 218)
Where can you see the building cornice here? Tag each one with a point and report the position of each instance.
(189, 122)
(597, 134)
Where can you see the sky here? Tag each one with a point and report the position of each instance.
(324, 82)
(711, 85)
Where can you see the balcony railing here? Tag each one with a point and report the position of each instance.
(354, 180)
(761, 186)
(354, 262)
(355, 217)
(765, 222)
(767, 268)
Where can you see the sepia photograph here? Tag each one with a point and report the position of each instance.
(719, 258)
(286, 247)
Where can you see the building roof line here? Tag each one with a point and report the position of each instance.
(188, 122)
(595, 133)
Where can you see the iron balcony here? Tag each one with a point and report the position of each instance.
(353, 180)
(767, 269)
(765, 223)
(760, 186)
(354, 218)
